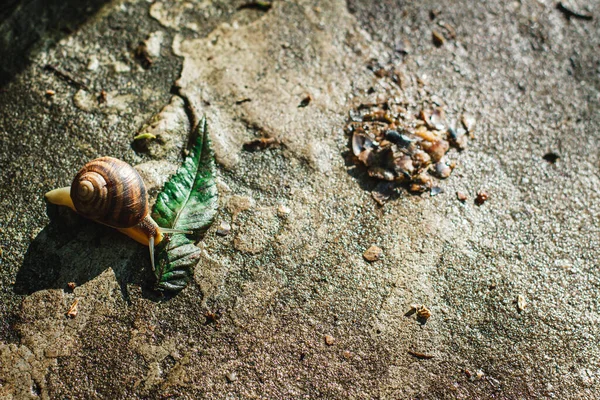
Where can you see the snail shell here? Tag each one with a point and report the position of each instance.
(110, 191)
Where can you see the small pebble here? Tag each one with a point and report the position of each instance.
(153, 43)
(481, 198)
(329, 340)
(468, 122)
(231, 377)
(93, 64)
(283, 210)
(72, 313)
(461, 196)
(305, 101)
(373, 253)
(71, 285)
(442, 170)
(417, 188)
(479, 374)
(103, 97)
(436, 190)
(521, 303)
(347, 354)
(50, 92)
(438, 39)
(405, 165)
(398, 138)
(438, 119)
(224, 229)
(421, 158)
(437, 149)
(423, 313)
(458, 138)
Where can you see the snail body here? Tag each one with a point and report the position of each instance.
(111, 192)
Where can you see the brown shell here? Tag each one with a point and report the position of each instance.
(110, 191)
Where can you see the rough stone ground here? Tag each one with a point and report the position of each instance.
(282, 281)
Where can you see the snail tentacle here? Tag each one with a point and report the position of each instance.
(151, 247)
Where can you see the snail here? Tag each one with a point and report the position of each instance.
(111, 192)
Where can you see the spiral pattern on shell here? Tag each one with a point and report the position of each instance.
(110, 191)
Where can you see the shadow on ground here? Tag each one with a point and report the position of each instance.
(25, 23)
(73, 249)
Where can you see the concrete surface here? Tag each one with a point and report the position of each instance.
(254, 321)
